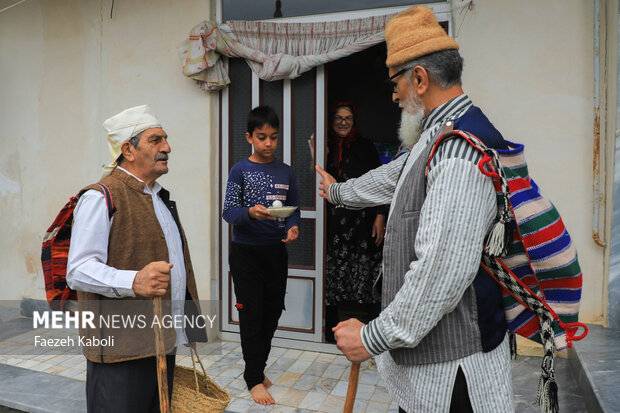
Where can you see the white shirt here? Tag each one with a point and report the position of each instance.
(86, 265)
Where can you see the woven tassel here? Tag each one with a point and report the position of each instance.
(512, 340)
(496, 240)
(547, 398)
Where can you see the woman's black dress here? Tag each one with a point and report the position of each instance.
(353, 259)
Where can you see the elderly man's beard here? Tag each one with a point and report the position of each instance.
(411, 121)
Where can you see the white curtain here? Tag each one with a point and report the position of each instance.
(274, 50)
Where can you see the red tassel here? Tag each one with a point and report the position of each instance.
(486, 167)
(571, 332)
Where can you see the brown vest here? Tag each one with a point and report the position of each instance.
(136, 239)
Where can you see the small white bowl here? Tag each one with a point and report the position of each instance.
(281, 212)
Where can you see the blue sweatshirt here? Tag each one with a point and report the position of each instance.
(250, 184)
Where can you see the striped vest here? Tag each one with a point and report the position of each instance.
(477, 323)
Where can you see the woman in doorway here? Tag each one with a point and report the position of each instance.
(354, 237)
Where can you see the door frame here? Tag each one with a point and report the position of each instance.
(284, 338)
(316, 274)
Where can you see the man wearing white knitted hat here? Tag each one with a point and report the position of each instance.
(440, 341)
(126, 127)
(127, 246)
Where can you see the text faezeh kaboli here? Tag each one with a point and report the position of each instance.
(70, 341)
(87, 319)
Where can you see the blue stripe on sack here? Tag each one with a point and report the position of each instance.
(524, 197)
(522, 319)
(515, 149)
(522, 271)
(550, 250)
(561, 295)
(516, 193)
(513, 324)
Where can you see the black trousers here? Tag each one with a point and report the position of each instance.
(259, 274)
(125, 387)
(460, 397)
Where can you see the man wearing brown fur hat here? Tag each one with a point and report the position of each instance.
(440, 341)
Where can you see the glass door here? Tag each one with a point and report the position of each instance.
(300, 105)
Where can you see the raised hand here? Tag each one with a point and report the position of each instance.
(325, 182)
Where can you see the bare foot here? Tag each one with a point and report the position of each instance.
(261, 395)
(267, 383)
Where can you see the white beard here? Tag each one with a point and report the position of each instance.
(411, 121)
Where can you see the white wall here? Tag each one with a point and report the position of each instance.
(65, 67)
(529, 66)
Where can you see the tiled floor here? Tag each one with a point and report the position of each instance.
(19, 351)
(303, 381)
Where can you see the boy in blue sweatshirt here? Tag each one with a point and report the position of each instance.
(258, 259)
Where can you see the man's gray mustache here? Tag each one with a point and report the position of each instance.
(162, 157)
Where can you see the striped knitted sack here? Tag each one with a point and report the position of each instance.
(55, 251)
(529, 252)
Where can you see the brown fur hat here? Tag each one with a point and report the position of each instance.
(414, 33)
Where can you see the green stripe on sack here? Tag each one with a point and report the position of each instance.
(521, 172)
(539, 222)
(515, 248)
(508, 301)
(568, 319)
(571, 270)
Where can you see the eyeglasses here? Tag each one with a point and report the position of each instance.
(390, 84)
(340, 119)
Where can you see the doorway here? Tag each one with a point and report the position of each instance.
(360, 79)
(299, 104)
(361, 128)
(302, 105)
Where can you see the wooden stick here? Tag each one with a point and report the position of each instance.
(160, 351)
(352, 389)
